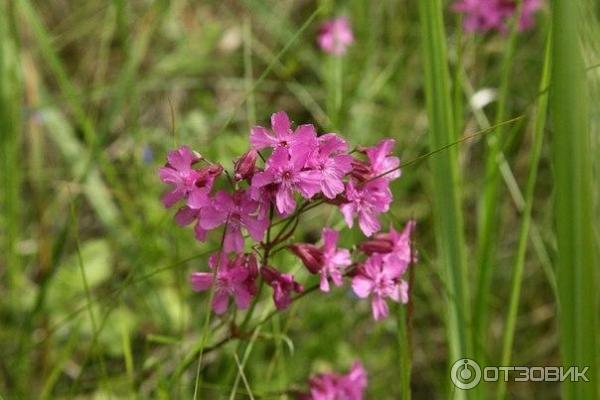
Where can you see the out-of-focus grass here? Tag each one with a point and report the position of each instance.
(94, 94)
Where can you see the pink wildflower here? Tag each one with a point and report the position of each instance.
(283, 285)
(332, 162)
(487, 15)
(286, 170)
(380, 163)
(232, 278)
(366, 201)
(304, 137)
(395, 246)
(237, 211)
(332, 386)
(380, 280)
(335, 36)
(328, 260)
(179, 173)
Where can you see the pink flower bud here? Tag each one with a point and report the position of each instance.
(311, 256)
(245, 166)
(361, 170)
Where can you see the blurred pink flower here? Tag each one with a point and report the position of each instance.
(486, 15)
(304, 136)
(327, 260)
(232, 278)
(380, 280)
(237, 211)
(332, 386)
(283, 285)
(332, 162)
(335, 36)
(286, 170)
(366, 201)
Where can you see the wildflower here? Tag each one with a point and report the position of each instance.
(328, 260)
(179, 173)
(237, 211)
(286, 170)
(366, 201)
(283, 285)
(304, 136)
(332, 386)
(395, 246)
(380, 163)
(232, 278)
(245, 165)
(329, 159)
(380, 280)
(335, 36)
(487, 15)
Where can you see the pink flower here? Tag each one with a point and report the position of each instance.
(179, 173)
(332, 163)
(486, 15)
(380, 280)
(332, 386)
(283, 285)
(232, 278)
(335, 36)
(328, 260)
(304, 136)
(366, 201)
(286, 170)
(236, 211)
(380, 163)
(395, 246)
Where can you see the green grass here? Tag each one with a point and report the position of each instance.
(93, 271)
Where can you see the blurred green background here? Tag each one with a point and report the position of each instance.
(93, 95)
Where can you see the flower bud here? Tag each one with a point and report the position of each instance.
(376, 245)
(245, 166)
(360, 170)
(311, 256)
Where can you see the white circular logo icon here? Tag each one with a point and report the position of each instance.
(465, 374)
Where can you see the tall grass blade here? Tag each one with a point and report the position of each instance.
(446, 183)
(524, 231)
(574, 193)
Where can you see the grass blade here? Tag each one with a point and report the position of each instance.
(571, 157)
(446, 184)
(515, 295)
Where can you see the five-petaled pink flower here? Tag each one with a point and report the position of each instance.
(366, 201)
(335, 36)
(236, 210)
(232, 278)
(380, 280)
(334, 259)
(332, 386)
(178, 172)
(283, 285)
(286, 170)
(394, 245)
(332, 162)
(304, 137)
(487, 15)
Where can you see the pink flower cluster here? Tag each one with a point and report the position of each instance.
(487, 15)
(335, 36)
(298, 164)
(332, 386)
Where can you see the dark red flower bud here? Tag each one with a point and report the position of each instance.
(376, 245)
(360, 170)
(208, 174)
(245, 166)
(311, 256)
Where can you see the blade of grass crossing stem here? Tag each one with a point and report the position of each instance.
(572, 164)
(488, 213)
(515, 295)
(448, 216)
